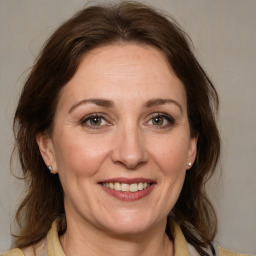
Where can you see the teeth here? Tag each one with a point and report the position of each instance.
(125, 187)
(134, 187)
(141, 186)
(117, 186)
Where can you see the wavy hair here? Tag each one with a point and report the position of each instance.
(58, 61)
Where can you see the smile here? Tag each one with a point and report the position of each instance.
(128, 189)
(124, 187)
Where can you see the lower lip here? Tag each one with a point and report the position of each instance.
(129, 196)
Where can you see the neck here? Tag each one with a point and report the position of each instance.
(83, 239)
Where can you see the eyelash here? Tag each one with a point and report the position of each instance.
(165, 118)
(169, 119)
(90, 117)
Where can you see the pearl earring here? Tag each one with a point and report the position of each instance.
(189, 164)
(50, 168)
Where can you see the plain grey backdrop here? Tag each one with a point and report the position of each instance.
(224, 36)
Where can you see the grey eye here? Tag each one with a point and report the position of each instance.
(158, 120)
(95, 121)
(161, 121)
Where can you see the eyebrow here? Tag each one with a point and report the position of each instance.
(157, 102)
(109, 104)
(98, 102)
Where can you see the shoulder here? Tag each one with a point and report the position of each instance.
(224, 252)
(14, 252)
(39, 249)
(218, 251)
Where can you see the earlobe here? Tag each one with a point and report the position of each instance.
(192, 151)
(45, 146)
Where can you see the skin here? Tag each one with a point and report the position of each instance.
(132, 139)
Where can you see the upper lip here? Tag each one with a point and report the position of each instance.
(128, 180)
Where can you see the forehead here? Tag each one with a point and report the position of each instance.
(123, 71)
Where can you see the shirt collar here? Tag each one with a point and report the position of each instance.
(55, 249)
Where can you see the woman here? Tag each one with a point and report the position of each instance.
(116, 136)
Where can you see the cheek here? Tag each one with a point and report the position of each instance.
(171, 155)
(80, 156)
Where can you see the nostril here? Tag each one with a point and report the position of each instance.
(130, 165)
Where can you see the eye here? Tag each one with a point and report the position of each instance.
(94, 121)
(160, 120)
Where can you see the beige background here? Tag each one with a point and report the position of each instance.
(224, 35)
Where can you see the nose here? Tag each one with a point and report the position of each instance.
(130, 149)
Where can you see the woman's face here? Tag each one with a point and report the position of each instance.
(121, 141)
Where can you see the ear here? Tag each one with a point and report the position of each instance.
(192, 151)
(46, 148)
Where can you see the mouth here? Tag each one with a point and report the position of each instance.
(124, 187)
(128, 189)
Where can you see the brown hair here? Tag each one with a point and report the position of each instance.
(57, 63)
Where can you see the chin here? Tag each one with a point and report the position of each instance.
(131, 225)
(128, 230)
